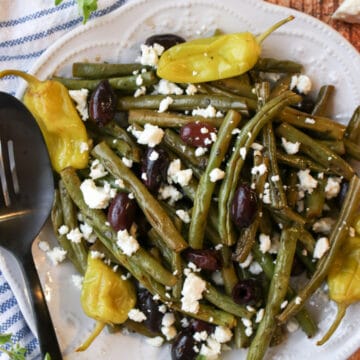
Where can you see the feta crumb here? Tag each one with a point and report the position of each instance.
(97, 170)
(256, 146)
(43, 245)
(139, 80)
(191, 89)
(165, 87)
(307, 182)
(309, 121)
(120, 183)
(140, 91)
(266, 196)
(351, 231)
(96, 254)
(284, 304)
(168, 319)
(290, 147)
(259, 170)
(156, 341)
(246, 322)
(216, 174)
(255, 268)
(136, 315)
(77, 280)
(156, 297)
(324, 225)
(298, 300)
(150, 54)
(321, 247)
(96, 197)
(162, 308)
(84, 146)
(200, 151)
(63, 230)
(219, 247)
(127, 243)
(165, 103)
(211, 349)
(75, 235)
(236, 131)
(249, 331)
(191, 292)
(127, 162)
(292, 325)
(171, 193)
(208, 112)
(151, 135)
(302, 83)
(222, 334)
(200, 336)
(80, 98)
(181, 177)
(56, 255)
(217, 278)
(332, 187)
(275, 178)
(184, 322)
(247, 262)
(265, 243)
(259, 315)
(87, 232)
(169, 332)
(183, 215)
(154, 155)
(243, 152)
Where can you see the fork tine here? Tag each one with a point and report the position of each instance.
(12, 164)
(4, 185)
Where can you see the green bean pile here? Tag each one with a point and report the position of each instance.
(259, 119)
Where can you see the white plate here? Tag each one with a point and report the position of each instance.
(328, 59)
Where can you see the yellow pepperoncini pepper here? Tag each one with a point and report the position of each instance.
(63, 130)
(105, 297)
(344, 280)
(213, 58)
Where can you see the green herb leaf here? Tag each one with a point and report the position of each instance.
(57, 2)
(47, 356)
(5, 338)
(87, 7)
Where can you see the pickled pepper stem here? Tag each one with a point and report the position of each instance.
(98, 328)
(27, 77)
(339, 316)
(274, 27)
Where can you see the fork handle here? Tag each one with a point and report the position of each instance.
(46, 332)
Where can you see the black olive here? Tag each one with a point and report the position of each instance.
(165, 40)
(150, 308)
(247, 292)
(183, 346)
(206, 259)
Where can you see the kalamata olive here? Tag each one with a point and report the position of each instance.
(154, 168)
(199, 326)
(122, 211)
(183, 346)
(150, 308)
(206, 259)
(197, 134)
(102, 104)
(247, 292)
(243, 206)
(165, 40)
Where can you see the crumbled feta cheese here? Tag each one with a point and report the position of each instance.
(169, 332)
(246, 322)
(243, 152)
(139, 80)
(136, 315)
(96, 197)
(156, 341)
(127, 162)
(74, 235)
(249, 331)
(208, 112)
(44, 245)
(120, 183)
(154, 155)
(88, 232)
(298, 300)
(168, 319)
(165, 87)
(259, 315)
(321, 247)
(255, 268)
(247, 262)
(217, 278)
(292, 325)
(222, 334)
(77, 280)
(127, 243)
(266, 196)
(97, 170)
(183, 215)
(348, 11)
(56, 255)
(259, 170)
(150, 54)
(332, 187)
(307, 182)
(275, 178)
(193, 267)
(192, 292)
(181, 177)
(323, 225)
(165, 103)
(80, 98)
(351, 231)
(151, 135)
(184, 322)
(171, 193)
(84, 146)
(284, 304)
(96, 254)
(265, 243)
(200, 336)
(63, 230)
(191, 89)
(290, 147)
(216, 174)
(302, 83)
(163, 308)
(235, 131)
(256, 146)
(309, 121)
(211, 350)
(140, 91)
(200, 151)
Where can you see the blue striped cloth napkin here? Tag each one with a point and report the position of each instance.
(27, 29)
